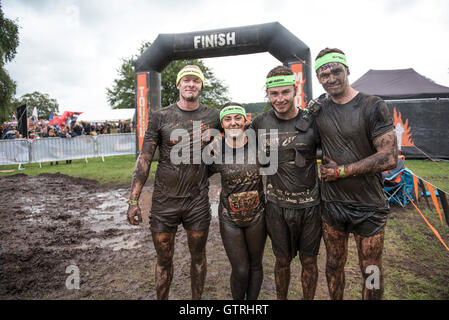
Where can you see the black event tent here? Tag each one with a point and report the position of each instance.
(419, 108)
(399, 84)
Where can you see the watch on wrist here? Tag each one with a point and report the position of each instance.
(133, 202)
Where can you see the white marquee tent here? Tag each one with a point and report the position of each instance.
(110, 115)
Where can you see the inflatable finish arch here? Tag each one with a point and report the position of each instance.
(269, 37)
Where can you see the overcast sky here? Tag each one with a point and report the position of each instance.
(71, 49)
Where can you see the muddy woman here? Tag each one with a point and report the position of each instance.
(292, 212)
(358, 143)
(181, 184)
(241, 210)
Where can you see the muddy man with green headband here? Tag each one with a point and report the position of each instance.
(332, 61)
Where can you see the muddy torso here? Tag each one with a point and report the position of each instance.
(295, 184)
(242, 196)
(347, 132)
(188, 178)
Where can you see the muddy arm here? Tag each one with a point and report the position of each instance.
(385, 158)
(142, 170)
(143, 163)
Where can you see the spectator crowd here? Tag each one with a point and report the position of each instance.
(43, 130)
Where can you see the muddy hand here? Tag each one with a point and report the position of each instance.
(134, 215)
(328, 170)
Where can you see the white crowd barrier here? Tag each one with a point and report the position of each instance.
(21, 151)
(14, 151)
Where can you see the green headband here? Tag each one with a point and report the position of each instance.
(330, 57)
(232, 109)
(282, 80)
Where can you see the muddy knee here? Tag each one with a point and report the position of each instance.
(335, 265)
(309, 263)
(240, 274)
(283, 262)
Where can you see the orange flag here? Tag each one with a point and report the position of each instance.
(434, 199)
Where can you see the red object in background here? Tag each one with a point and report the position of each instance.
(58, 120)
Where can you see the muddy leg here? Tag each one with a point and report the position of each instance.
(336, 254)
(198, 268)
(256, 236)
(236, 250)
(164, 243)
(309, 276)
(370, 261)
(282, 276)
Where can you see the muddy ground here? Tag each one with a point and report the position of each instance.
(52, 224)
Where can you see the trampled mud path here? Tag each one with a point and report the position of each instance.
(52, 223)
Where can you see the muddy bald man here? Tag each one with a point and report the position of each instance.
(358, 142)
(181, 185)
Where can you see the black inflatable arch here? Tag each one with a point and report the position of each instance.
(269, 37)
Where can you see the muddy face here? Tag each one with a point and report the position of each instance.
(334, 78)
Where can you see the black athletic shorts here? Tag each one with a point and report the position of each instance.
(363, 221)
(168, 212)
(293, 230)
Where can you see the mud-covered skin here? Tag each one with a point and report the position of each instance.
(139, 177)
(244, 248)
(309, 276)
(164, 244)
(336, 243)
(369, 252)
(198, 262)
(242, 219)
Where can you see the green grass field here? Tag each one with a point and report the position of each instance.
(114, 170)
(416, 264)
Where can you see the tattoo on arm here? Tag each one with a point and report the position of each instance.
(141, 171)
(384, 159)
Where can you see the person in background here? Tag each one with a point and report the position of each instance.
(67, 133)
(107, 127)
(78, 129)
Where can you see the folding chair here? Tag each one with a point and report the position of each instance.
(397, 183)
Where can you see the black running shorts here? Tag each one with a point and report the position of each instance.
(168, 212)
(363, 221)
(293, 230)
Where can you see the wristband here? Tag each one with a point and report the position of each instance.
(133, 202)
(341, 171)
